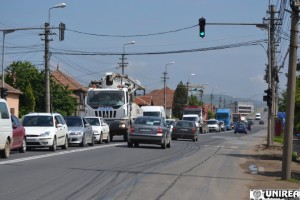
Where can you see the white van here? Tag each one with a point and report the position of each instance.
(257, 116)
(5, 130)
(156, 111)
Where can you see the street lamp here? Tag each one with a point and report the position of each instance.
(3, 82)
(211, 98)
(123, 54)
(47, 58)
(165, 84)
(187, 86)
(60, 5)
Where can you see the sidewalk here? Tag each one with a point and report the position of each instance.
(269, 164)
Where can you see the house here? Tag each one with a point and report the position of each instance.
(12, 98)
(157, 99)
(79, 91)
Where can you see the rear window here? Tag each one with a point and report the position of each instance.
(148, 121)
(184, 124)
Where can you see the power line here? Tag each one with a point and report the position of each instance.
(249, 43)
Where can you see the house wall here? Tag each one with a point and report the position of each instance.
(13, 102)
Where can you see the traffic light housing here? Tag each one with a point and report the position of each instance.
(268, 97)
(62, 28)
(202, 23)
(3, 93)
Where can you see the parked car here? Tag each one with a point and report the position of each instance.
(100, 129)
(19, 135)
(5, 129)
(222, 125)
(149, 130)
(261, 122)
(80, 131)
(213, 125)
(241, 128)
(186, 130)
(45, 130)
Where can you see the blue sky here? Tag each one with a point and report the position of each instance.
(237, 72)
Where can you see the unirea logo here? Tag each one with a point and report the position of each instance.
(256, 194)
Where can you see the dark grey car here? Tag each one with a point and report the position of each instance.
(149, 130)
(185, 129)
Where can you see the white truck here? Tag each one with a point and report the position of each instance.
(112, 99)
(156, 111)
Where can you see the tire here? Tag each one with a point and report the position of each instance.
(129, 144)
(125, 137)
(92, 142)
(194, 140)
(54, 145)
(83, 143)
(173, 138)
(169, 144)
(111, 137)
(65, 146)
(101, 138)
(136, 144)
(108, 139)
(6, 151)
(22, 149)
(164, 145)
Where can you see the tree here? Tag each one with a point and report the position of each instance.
(179, 100)
(31, 82)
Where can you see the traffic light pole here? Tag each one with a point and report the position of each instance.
(291, 90)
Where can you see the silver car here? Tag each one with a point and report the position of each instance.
(100, 129)
(80, 131)
(149, 130)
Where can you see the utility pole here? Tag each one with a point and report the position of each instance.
(291, 90)
(165, 89)
(47, 68)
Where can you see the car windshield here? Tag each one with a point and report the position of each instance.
(170, 122)
(74, 122)
(211, 122)
(114, 99)
(37, 121)
(154, 114)
(184, 124)
(148, 121)
(93, 121)
(190, 118)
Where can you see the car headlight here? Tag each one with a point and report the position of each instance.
(122, 125)
(96, 132)
(47, 133)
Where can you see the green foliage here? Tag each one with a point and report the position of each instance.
(193, 101)
(31, 82)
(210, 114)
(179, 100)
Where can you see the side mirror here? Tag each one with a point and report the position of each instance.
(59, 125)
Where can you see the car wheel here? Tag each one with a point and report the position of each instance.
(92, 141)
(173, 138)
(164, 145)
(129, 144)
(101, 138)
(194, 140)
(22, 149)
(65, 146)
(111, 137)
(54, 145)
(6, 151)
(83, 144)
(136, 144)
(125, 137)
(108, 139)
(169, 144)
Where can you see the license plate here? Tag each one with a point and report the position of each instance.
(145, 129)
(30, 140)
(184, 129)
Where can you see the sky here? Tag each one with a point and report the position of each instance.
(156, 26)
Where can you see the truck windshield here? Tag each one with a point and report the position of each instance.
(154, 114)
(190, 118)
(97, 99)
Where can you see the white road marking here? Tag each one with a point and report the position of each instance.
(55, 154)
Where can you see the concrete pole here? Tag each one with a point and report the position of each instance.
(47, 68)
(291, 90)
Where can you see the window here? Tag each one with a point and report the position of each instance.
(4, 111)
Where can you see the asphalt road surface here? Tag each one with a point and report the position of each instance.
(207, 169)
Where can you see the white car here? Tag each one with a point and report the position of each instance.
(45, 130)
(6, 131)
(100, 129)
(213, 125)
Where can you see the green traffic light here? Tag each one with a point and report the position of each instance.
(202, 34)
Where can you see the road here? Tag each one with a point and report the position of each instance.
(207, 169)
